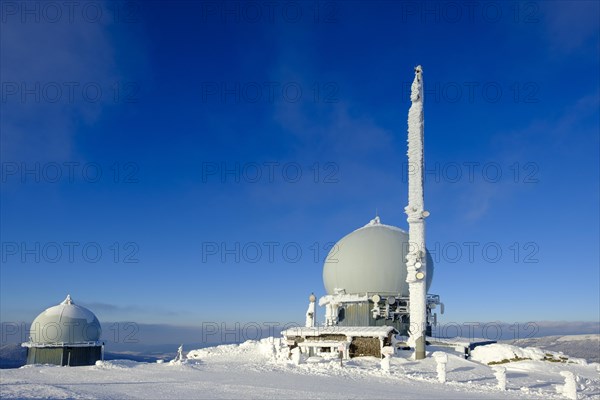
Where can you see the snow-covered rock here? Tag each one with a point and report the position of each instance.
(500, 353)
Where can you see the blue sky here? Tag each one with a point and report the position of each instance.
(305, 104)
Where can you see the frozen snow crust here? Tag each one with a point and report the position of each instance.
(261, 369)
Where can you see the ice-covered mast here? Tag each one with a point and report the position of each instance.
(416, 259)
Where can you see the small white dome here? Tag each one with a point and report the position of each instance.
(371, 260)
(65, 323)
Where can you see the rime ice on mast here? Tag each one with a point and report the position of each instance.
(416, 260)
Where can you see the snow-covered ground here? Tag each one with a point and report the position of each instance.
(262, 370)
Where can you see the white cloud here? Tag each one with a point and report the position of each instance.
(54, 62)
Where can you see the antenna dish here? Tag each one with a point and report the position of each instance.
(376, 298)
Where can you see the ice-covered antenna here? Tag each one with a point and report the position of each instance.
(418, 72)
(416, 214)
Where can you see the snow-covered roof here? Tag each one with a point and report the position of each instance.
(66, 322)
(68, 309)
(342, 298)
(376, 222)
(360, 331)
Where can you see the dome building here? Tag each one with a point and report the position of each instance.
(65, 334)
(367, 304)
(372, 259)
(365, 278)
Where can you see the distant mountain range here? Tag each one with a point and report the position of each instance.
(12, 356)
(578, 346)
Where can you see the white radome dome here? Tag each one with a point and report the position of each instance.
(371, 260)
(66, 323)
